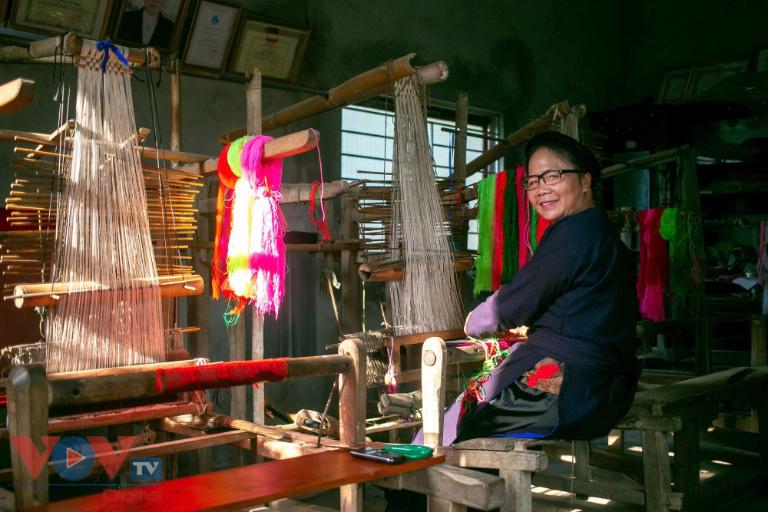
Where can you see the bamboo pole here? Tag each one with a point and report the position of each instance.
(71, 44)
(540, 124)
(363, 86)
(48, 294)
(15, 95)
(396, 272)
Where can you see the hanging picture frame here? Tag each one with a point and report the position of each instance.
(675, 86)
(88, 18)
(275, 49)
(705, 78)
(210, 40)
(163, 34)
(759, 60)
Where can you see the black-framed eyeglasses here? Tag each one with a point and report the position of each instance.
(550, 177)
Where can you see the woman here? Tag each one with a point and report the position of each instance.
(576, 375)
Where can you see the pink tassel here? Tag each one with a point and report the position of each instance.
(267, 247)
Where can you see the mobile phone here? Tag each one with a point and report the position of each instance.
(378, 455)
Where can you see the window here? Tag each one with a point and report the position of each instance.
(367, 138)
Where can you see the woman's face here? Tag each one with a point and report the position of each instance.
(554, 202)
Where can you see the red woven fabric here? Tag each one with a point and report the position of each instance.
(545, 371)
(220, 375)
(498, 229)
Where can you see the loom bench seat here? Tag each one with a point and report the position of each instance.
(683, 410)
(239, 488)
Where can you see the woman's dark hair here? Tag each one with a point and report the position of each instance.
(570, 149)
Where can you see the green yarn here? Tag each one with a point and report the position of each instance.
(486, 190)
(234, 153)
(682, 229)
(533, 225)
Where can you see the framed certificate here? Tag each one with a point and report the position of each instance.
(86, 18)
(275, 49)
(143, 23)
(213, 29)
(676, 84)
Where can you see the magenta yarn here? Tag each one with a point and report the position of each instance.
(259, 170)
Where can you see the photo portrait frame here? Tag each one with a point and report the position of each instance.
(759, 61)
(675, 85)
(705, 78)
(89, 19)
(277, 50)
(168, 25)
(210, 39)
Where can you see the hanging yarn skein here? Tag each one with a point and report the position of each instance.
(255, 254)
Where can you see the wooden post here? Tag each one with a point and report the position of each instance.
(351, 299)
(656, 471)
(28, 421)
(433, 361)
(253, 125)
(352, 394)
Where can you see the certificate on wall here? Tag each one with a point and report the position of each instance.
(211, 36)
(276, 50)
(86, 18)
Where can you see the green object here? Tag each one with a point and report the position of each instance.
(486, 190)
(410, 451)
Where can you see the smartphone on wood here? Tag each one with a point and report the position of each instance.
(378, 455)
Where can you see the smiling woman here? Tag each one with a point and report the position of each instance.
(575, 376)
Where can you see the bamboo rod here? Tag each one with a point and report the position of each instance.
(16, 94)
(48, 294)
(658, 158)
(72, 44)
(396, 272)
(540, 124)
(363, 86)
(280, 147)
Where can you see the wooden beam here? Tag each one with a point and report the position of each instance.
(15, 95)
(396, 272)
(540, 124)
(363, 86)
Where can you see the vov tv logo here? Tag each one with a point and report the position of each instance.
(74, 457)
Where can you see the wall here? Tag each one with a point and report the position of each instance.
(514, 57)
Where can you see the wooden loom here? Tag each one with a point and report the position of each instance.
(27, 387)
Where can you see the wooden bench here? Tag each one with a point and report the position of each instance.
(243, 487)
(681, 410)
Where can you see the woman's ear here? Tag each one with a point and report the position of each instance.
(586, 181)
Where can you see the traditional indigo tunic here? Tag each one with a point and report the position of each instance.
(577, 296)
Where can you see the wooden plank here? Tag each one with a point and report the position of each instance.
(245, 486)
(656, 471)
(458, 485)
(726, 383)
(522, 460)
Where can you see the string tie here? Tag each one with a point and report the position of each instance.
(106, 47)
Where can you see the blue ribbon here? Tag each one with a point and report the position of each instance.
(106, 47)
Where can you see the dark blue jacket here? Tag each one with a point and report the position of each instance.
(577, 296)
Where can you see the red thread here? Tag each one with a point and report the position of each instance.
(220, 375)
(320, 224)
(497, 263)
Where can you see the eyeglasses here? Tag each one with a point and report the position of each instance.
(550, 177)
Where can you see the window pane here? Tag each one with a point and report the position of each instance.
(363, 145)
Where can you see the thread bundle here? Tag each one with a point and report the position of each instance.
(508, 230)
(248, 264)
